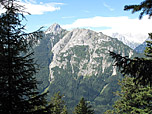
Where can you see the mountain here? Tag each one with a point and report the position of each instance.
(124, 38)
(54, 29)
(43, 53)
(77, 63)
(142, 47)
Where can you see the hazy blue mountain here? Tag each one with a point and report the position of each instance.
(77, 63)
(142, 47)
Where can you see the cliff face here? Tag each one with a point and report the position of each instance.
(79, 65)
(86, 50)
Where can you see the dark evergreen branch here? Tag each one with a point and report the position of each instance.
(139, 68)
(145, 7)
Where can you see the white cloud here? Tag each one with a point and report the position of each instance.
(38, 9)
(109, 7)
(121, 24)
(32, 7)
(115, 24)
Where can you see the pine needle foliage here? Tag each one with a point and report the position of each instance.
(136, 90)
(145, 7)
(139, 68)
(18, 86)
(134, 99)
(83, 108)
(58, 104)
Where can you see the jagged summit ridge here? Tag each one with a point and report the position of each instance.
(79, 37)
(96, 45)
(55, 28)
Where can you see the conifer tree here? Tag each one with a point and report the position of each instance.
(134, 99)
(18, 93)
(83, 108)
(58, 104)
(64, 110)
(139, 68)
(136, 93)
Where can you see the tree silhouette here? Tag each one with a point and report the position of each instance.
(139, 68)
(58, 104)
(136, 92)
(145, 7)
(83, 108)
(18, 93)
(134, 99)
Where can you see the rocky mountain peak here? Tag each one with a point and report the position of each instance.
(55, 28)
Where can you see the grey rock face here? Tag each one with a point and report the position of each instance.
(55, 29)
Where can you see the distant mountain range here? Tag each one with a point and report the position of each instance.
(123, 38)
(138, 47)
(77, 63)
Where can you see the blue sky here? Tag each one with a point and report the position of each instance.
(106, 16)
(68, 11)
